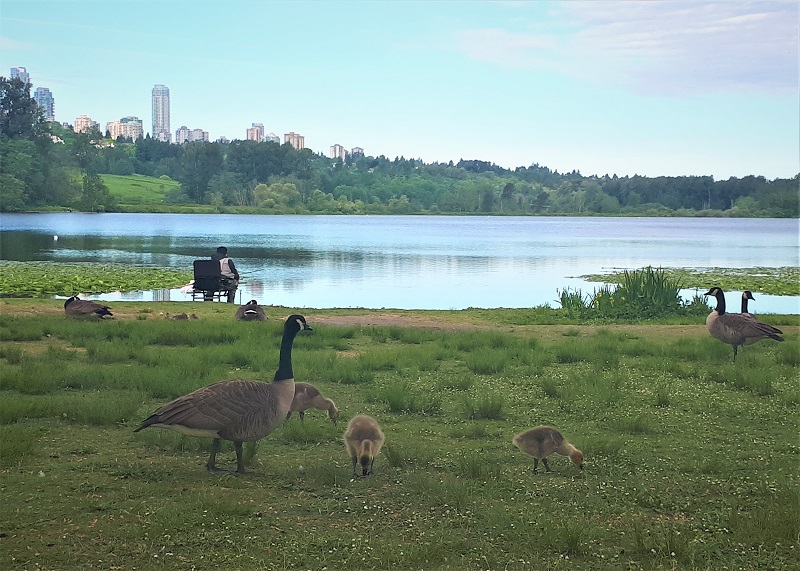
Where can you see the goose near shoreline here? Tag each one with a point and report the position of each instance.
(737, 329)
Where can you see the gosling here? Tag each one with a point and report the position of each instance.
(363, 440)
(542, 441)
(307, 396)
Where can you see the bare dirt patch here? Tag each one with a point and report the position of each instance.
(395, 319)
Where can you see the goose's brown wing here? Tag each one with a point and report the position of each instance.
(235, 410)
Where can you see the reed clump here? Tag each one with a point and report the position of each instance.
(646, 293)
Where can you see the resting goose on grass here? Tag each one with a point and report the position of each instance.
(76, 306)
(236, 410)
(251, 311)
(737, 329)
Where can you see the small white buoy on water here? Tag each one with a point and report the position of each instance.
(55, 237)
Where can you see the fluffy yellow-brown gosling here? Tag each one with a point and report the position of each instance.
(363, 440)
(542, 441)
(307, 396)
(236, 410)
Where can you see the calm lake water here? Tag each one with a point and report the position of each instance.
(406, 262)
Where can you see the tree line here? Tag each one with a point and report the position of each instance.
(46, 165)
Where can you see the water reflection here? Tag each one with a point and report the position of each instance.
(404, 262)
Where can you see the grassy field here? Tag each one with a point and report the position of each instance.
(691, 460)
(139, 189)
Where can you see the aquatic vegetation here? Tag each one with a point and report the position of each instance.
(46, 279)
(772, 281)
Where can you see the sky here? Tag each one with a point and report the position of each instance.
(654, 88)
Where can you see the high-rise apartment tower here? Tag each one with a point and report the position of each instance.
(45, 99)
(161, 129)
(21, 73)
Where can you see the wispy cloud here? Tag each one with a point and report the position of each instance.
(663, 47)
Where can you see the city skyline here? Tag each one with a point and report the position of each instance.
(655, 88)
(132, 127)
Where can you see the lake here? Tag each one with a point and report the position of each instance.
(406, 262)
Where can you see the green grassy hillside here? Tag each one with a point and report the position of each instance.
(139, 189)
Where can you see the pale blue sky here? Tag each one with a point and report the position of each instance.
(651, 88)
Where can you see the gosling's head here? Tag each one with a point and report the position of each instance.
(577, 458)
(365, 461)
(333, 413)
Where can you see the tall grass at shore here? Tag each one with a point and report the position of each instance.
(640, 294)
(690, 458)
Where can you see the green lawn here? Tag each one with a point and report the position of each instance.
(691, 459)
(138, 189)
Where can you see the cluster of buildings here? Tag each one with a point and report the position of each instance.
(132, 127)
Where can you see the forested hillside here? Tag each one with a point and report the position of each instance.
(44, 165)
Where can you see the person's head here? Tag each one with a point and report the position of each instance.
(222, 251)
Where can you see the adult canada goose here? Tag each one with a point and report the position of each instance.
(737, 329)
(746, 294)
(235, 410)
(251, 311)
(542, 441)
(363, 440)
(76, 306)
(307, 396)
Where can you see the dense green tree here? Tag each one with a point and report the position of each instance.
(20, 115)
(199, 163)
(95, 196)
(12, 193)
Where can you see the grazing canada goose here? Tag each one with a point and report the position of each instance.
(236, 410)
(307, 396)
(363, 440)
(251, 311)
(737, 329)
(77, 306)
(542, 441)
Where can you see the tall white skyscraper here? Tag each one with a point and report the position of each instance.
(161, 129)
(21, 73)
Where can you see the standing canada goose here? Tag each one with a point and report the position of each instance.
(363, 440)
(737, 329)
(307, 396)
(746, 294)
(235, 410)
(76, 306)
(542, 441)
(251, 311)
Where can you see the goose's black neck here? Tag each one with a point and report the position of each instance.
(720, 302)
(284, 371)
(744, 304)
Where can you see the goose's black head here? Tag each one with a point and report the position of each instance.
(715, 291)
(296, 323)
(252, 302)
(747, 294)
(70, 300)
